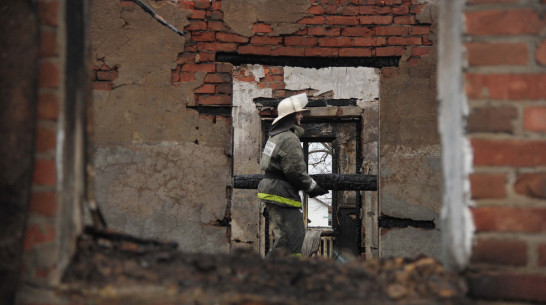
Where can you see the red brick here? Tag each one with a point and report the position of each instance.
(224, 68)
(216, 15)
(227, 37)
(492, 119)
(419, 30)
(276, 86)
(375, 10)
(48, 12)
(46, 138)
(300, 41)
(401, 10)
(102, 86)
(216, 47)
(357, 31)
(535, 118)
(350, 11)
(321, 31)
(488, 186)
(48, 44)
(216, 26)
(417, 8)
(316, 10)
(199, 67)
(392, 30)
(205, 57)
(509, 219)
(333, 9)
(255, 50)
(266, 40)
(389, 51)
(335, 42)
(187, 77)
(531, 185)
(375, 19)
(355, 52)
(43, 203)
(196, 26)
(44, 172)
(503, 22)
(494, 54)
(49, 75)
(541, 255)
(206, 88)
(187, 4)
(261, 28)
(541, 53)
(224, 89)
(369, 41)
(38, 234)
(198, 14)
(499, 252)
(420, 51)
(276, 70)
(343, 20)
(218, 78)
(288, 51)
(404, 20)
(506, 86)
(488, 152)
(214, 100)
(48, 106)
(312, 20)
(404, 41)
(202, 36)
(202, 4)
(507, 286)
(186, 57)
(322, 52)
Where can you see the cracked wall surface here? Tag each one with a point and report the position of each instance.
(240, 16)
(161, 169)
(410, 152)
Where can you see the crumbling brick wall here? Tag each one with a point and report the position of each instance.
(191, 108)
(506, 89)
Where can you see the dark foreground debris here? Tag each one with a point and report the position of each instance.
(110, 269)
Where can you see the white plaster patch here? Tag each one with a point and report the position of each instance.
(257, 71)
(344, 82)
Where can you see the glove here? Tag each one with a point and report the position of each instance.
(317, 191)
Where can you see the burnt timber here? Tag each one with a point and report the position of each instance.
(335, 182)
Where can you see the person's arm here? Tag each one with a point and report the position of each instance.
(294, 168)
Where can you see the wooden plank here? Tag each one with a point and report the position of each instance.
(335, 182)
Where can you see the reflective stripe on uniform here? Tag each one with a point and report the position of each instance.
(280, 199)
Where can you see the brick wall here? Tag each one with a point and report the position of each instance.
(506, 89)
(39, 244)
(341, 28)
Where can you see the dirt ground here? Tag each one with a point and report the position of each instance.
(105, 265)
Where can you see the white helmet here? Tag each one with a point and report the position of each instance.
(290, 105)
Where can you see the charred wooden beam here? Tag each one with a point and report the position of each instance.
(274, 102)
(309, 61)
(335, 182)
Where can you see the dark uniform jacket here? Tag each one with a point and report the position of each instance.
(284, 166)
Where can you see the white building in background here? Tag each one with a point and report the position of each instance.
(319, 215)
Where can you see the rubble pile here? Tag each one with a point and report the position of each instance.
(103, 265)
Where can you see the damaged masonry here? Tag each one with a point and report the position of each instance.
(133, 133)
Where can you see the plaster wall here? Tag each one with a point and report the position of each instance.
(162, 170)
(410, 157)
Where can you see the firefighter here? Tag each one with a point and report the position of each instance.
(285, 174)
